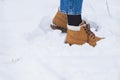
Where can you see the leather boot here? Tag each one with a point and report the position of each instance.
(81, 35)
(60, 22)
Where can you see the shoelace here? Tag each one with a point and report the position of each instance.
(89, 32)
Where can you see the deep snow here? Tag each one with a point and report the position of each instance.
(30, 50)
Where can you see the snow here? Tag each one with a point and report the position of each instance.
(30, 50)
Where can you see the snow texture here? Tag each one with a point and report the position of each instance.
(31, 50)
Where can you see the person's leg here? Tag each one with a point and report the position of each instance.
(78, 32)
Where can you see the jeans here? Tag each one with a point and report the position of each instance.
(71, 7)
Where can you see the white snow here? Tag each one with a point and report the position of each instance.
(30, 50)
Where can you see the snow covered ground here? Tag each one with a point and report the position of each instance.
(30, 50)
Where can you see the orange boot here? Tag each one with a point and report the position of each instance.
(81, 35)
(60, 22)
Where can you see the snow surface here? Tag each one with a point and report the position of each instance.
(30, 50)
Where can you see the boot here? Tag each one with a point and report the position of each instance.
(81, 35)
(60, 22)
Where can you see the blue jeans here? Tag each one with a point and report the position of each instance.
(71, 7)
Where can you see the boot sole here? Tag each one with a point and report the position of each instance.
(54, 27)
